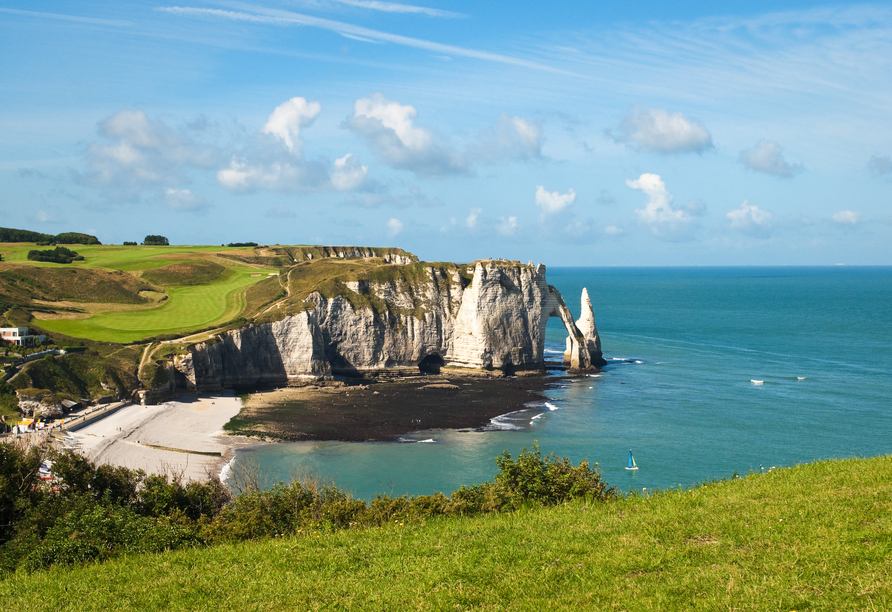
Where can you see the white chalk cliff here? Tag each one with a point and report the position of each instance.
(488, 316)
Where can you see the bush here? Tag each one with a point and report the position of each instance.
(129, 243)
(549, 480)
(242, 244)
(57, 255)
(154, 240)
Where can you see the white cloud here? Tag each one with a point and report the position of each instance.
(142, 154)
(664, 221)
(513, 137)
(471, 220)
(184, 199)
(507, 226)
(613, 230)
(751, 220)
(879, 165)
(768, 157)
(553, 201)
(847, 217)
(388, 127)
(653, 129)
(393, 7)
(243, 176)
(394, 227)
(275, 161)
(287, 120)
(348, 174)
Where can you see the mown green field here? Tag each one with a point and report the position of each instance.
(187, 308)
(813, 537)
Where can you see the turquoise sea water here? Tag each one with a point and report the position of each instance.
(684, 345)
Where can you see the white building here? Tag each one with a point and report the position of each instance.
(19, 336)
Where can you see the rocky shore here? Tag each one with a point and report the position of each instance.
(384, 411)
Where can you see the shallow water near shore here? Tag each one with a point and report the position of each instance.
(684, 346)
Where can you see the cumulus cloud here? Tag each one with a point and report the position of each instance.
(275, 161)
(473, 217)
(665, 222)
(751, 220)
(553, 201)
(847, 217)
(880, 165)
(657, 130)
(348, 173)
(244, 175)
(287, 120)
(389, 129)
(768, 157)
(184, 200)
(507, 226)
(394, 227)
(513, 137)
(140, 154)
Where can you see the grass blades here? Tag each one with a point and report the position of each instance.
(813, 537)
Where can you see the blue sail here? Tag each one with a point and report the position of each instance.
(632, 465)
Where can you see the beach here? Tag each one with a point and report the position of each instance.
(183, 436)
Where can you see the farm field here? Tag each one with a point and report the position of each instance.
(188, 307)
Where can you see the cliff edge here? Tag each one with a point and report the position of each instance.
(487, 317)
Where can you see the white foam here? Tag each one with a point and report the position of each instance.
(551, 406)
(554, 352)
(595, 375)
(638, 361)
(226, 472)
(413, 440)
(800, 378)
(757, 382)
(503, 423)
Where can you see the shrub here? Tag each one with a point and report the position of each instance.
(549, 480)
(155, 240)
(57, 255)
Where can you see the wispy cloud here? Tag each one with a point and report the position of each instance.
(394, 7)
(74, 18)
(260, 15)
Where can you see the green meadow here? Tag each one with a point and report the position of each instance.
(812, 537)
(187, 307)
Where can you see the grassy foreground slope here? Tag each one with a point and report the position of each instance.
(813, 537)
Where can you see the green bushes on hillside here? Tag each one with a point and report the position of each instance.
(58, 255)
(97, 513)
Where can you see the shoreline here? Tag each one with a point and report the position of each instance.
(384, 411)
(182, 437)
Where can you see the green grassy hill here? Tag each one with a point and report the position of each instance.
(814, 537)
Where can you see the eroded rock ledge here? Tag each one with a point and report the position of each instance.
(487, 317)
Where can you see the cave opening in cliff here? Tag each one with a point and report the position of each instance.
(431, 364)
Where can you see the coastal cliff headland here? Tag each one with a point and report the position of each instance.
(486, 318)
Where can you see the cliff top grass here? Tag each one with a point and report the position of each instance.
(812, 537)
(126, 294)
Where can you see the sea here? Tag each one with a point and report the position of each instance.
(711, 372)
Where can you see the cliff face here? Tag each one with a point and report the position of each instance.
(495, 322)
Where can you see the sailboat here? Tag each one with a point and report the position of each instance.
(632, 465)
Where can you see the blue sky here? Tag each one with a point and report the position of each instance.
(610, 133)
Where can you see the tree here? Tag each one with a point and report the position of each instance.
(155, 241)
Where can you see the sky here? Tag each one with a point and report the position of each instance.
(632, 133)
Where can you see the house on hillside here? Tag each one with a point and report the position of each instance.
(19, 336)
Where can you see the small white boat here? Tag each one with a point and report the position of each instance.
(757, 382)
